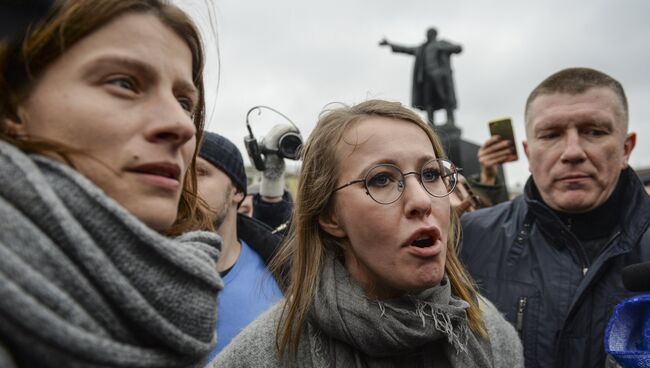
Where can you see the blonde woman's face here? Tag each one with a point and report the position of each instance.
(124, 97)
(393, 248)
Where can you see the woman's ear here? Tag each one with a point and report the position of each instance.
(13, 126)
(329, 222)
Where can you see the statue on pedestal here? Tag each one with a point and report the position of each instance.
(433, 85)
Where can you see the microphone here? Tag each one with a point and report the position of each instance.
(626, 337)
(636, 277)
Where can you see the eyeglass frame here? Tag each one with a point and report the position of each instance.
(458, 170)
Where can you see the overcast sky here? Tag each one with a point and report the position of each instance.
(297, 56)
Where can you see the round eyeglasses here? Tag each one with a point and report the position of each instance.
(385, 182)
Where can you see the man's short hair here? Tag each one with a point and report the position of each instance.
(575, 81)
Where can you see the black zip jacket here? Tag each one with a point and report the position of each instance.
(536, 271)
(273, 214)
(259, 236)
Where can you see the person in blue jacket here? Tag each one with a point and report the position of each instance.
(550, 259)
(248, 244)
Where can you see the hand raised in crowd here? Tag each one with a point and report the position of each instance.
(463, 198)
(272, 184)
(494, 151)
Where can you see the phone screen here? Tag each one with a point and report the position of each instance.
(503, 128)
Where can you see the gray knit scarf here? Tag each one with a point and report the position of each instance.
(83, 283)
(428, 329)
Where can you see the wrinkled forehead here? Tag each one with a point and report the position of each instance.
(383, 140)
(597, 104)
(371, 132)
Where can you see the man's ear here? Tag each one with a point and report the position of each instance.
(330, 224)
(525, 145)
(628, 146)
(237, 196)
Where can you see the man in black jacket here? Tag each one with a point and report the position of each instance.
(550, 260)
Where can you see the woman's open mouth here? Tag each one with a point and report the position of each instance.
(423, 241)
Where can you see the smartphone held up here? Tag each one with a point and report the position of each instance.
(503, 128)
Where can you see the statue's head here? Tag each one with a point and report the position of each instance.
(432, 33)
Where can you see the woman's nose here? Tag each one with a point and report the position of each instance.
(171, 124)
(417, 201)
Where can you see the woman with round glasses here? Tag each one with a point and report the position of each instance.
(374, 279)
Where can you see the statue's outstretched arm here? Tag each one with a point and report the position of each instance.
(398, 48)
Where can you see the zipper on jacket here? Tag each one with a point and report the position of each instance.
(579, 250)
(587, 265)
(521, 309)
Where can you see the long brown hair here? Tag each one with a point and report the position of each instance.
(304, 250)
(24, 60)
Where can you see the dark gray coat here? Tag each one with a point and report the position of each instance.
(527, 262)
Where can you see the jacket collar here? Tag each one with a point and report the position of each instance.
(258, 236)
(628, 206)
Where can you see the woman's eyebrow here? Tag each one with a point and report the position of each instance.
(186, 87)
(424, 159)
(382, 161)
(143, 69)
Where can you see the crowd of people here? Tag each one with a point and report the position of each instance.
(131, 237)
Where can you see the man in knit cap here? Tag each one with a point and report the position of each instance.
(248, 244)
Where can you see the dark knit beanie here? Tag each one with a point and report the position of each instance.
(225, 156)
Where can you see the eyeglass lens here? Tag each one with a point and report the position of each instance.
(385, 183)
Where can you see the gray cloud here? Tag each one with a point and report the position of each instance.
(298, 56)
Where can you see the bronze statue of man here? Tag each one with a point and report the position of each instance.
(433, 86)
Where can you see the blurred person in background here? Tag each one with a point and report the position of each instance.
(463, 199)
(246, 207)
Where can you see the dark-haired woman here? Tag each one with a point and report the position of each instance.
(100, 110)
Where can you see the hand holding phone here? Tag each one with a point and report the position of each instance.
(499, 149)
(503, 129)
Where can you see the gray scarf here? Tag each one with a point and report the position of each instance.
(348, 330)
(83, 283)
